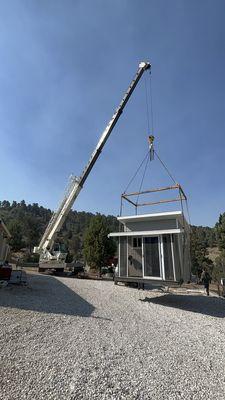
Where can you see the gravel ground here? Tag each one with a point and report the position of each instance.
(63, 338)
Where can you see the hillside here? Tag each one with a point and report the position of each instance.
(27, 224)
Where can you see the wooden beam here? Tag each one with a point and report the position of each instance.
(152, 191)
(159, 202)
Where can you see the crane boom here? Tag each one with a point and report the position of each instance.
(58, 218)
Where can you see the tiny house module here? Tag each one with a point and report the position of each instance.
(153, 248)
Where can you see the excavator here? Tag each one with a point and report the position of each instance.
(53, 255)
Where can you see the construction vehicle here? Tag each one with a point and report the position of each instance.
(53, 256)
(4, 242)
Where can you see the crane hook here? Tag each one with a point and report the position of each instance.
(151, 139)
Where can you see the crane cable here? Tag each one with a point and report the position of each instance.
(142, 180)
(165, 167)
(162, 163)
(147, 158)
(135, 174)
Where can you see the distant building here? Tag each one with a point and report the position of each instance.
(4, 239)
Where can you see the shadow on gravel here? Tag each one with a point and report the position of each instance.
(215, 307)
(45, 294)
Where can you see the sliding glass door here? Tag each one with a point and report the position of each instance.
(168, 257)
(148, 257)
(151, 259)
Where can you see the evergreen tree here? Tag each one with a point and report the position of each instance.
(31, 232)
(5, 204)
(219, 268)
(15, 230)
(97, 246)
(199, 250)
(75, 246)
(220, 232)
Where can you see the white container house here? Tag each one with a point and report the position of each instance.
(154, 248)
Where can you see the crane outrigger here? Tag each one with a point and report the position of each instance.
(50, 257)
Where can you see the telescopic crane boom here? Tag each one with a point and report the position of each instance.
(58, 218)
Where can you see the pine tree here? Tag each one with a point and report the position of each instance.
(15, 230)
(220, 231)
(97, 246)
(219, 268)
(198, 250)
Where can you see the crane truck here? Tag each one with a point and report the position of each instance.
(53, 256)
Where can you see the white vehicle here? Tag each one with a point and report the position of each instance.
(53, 256)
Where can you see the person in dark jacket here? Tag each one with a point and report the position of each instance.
(206, 279)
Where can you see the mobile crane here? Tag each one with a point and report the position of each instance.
(50, 256)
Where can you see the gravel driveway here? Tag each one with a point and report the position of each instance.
(63, 338)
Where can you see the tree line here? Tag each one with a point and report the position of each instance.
(203, 241)
(27, 223)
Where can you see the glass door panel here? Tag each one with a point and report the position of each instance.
(168, 257)
(151, 257)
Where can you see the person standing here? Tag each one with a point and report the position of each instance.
(206, 279)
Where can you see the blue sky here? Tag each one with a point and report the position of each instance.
(64, 68)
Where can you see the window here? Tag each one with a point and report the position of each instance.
(137, 242)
